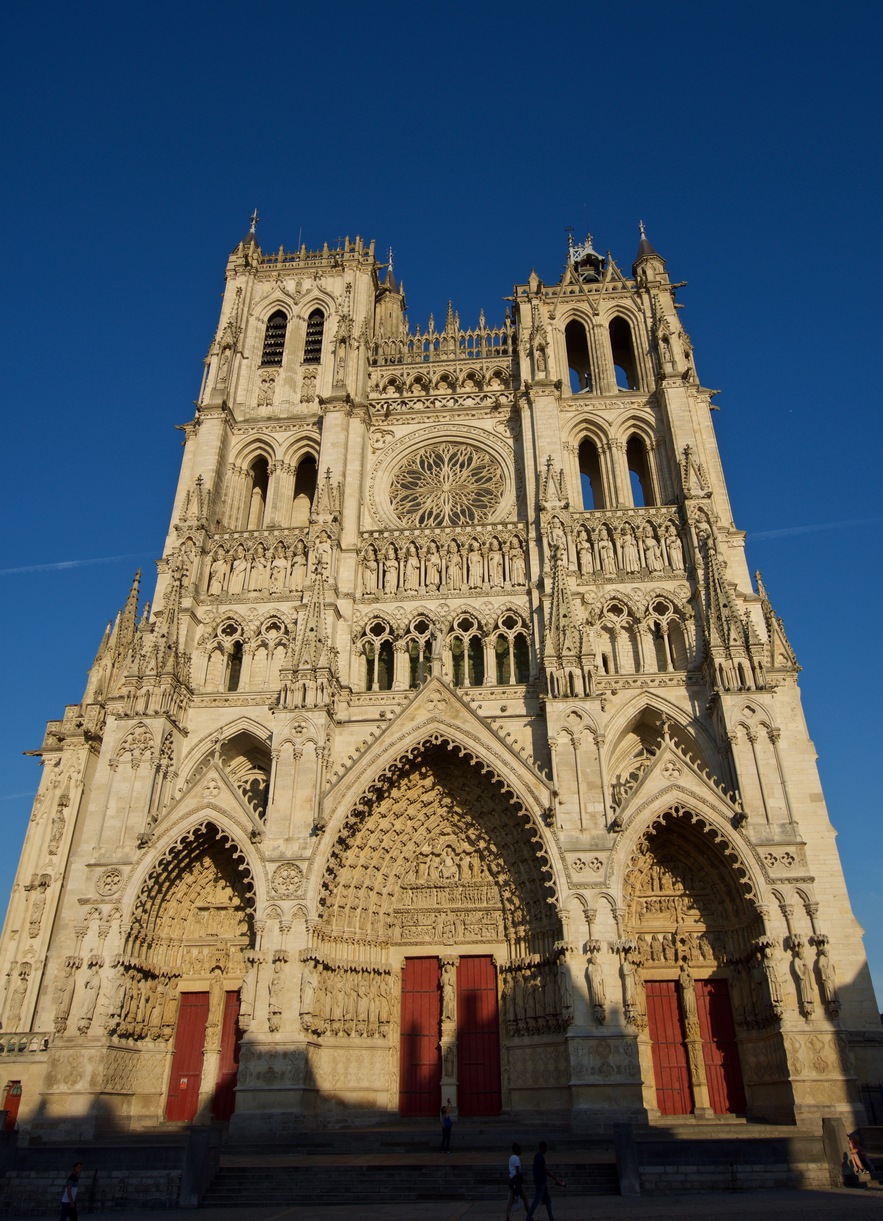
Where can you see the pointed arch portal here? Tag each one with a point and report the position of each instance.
(692, 933)
(440, 881)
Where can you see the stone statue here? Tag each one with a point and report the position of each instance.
(56, 830)
(298, 567)
(369, 571)
(258, 578)
(390, 571)
(455, 568)
(652, 553)
(584, 554)
(674, 549)
(17, 1000)
(432, 565)
(606, 554)
(412, 569)
(803, 979)
(64, 995)
(91, 988)
(687, 990)
(595, 980)
(217, 573)
(278, 568)
(516, 563)
(238, 571)
(631, 561)
(768, 963)
(274, 998)
(475, 566)
(307, 994)
(827, 978)
(494, 564)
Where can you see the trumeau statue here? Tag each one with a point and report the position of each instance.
(435, 693)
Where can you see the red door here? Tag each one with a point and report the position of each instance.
(478, 1037)
(719, 1048)
(674, 1094)
(224, 1101)
(186, 1075)
(11, 1103)
(420, 1064)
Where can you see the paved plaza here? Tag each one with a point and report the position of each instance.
(835, 1204)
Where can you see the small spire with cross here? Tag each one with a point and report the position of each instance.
(254, 221)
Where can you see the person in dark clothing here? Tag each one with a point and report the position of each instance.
(541, 1176)
(446, 1124)
(69, 1195)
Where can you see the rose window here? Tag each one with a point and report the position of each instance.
(449, 485)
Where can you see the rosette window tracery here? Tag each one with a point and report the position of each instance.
(448, 485)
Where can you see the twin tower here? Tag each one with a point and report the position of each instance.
(457, 755)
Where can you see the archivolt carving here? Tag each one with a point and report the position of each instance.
(435, 853)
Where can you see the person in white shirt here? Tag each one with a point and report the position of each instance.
(516, 1181)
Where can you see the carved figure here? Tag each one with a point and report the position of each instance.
(56, 829)
(688, 999)
(631, 561)
(606, 554)
(595, 980)
(449, 991)
(412, 569)
(803, 979)
(516, 563)
(298, 567)
(258, 579)
(238, 571)
(274, 998)
(390, 570)
(475, 566)
(307, 995)
(827, 978)
(652, 553)
(494, 564)
(674, 549)
(584, 554)
(455, 567)
(64, 995)
(557, 539)
(17, 999)
(432, 565)
(768, 963)
(369, 571)
(91, 988)
(278, 568)
(217, 573)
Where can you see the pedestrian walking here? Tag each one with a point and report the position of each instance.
(516, 1180)
(69, 1195)
(447, 1124)
(541, 1176)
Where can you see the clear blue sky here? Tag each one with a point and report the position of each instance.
(138, 138)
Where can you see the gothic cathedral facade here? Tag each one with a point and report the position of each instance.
(458, 757)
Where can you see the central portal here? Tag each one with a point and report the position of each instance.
(438, 902)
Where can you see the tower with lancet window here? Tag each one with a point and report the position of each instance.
(456, 755)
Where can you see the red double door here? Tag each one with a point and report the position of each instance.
(478, 1037)
(674, 1093)
(186, 1077)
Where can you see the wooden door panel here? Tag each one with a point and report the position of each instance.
(478, 1037)
(186, 1076)
(420, 1038)
(674, 1093)
(719, 1047)
(224, 1101)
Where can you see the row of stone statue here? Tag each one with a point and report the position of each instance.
(443, 567)
(351, 1001)
(537, 998)
(283, 569)
(606, 551)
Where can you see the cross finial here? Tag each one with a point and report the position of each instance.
(641, 227)
(390, 258)
(569, 232)
(254, 221)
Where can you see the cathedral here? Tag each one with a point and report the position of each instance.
(457, 757)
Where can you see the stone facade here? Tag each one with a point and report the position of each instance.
(454, 659)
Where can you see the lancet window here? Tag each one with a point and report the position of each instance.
(304, 490)
(577, 343)
(639, 472)
(419, 648)
(274, 339)
(668, 637)
(313, 339)
(590, 475)
(259, 473)
(622, 346)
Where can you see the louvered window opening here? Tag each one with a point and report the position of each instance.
(313, 341)
(274, 339)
